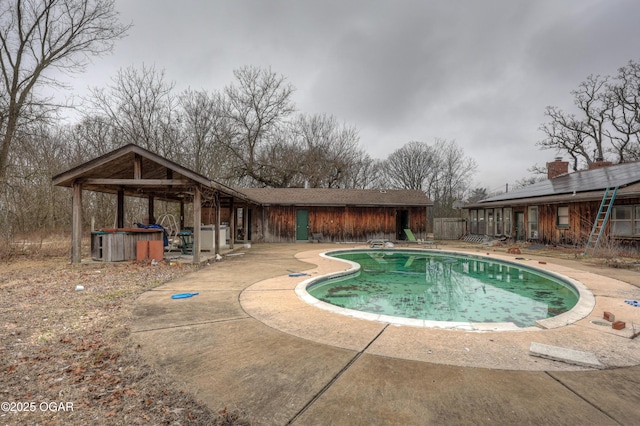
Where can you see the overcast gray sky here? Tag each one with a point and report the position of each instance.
(479, 72)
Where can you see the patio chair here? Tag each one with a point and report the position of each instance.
(186, 238)
(413, 239)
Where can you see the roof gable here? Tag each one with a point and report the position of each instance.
(119, 164)
(130, 167)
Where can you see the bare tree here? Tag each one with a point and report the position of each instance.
(624, 113)
(585, 137)
(565, 133)
(365, 173)
(44, 151)
(454, 173)
(477, 194)
(255, 109)
(281, 161)
(413, 166)
(141, 109)
(330, 150)
(92, 136)
(38, 35)
(312, 150)
(201, 122)
(607, 120)
(442, 171)
(530, 180)
(593, 101)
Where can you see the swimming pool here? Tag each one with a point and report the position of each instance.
(444, 287)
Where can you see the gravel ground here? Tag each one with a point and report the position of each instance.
(66, 356)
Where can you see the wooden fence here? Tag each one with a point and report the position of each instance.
(447, 228)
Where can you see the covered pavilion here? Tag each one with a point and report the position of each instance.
(136, 172)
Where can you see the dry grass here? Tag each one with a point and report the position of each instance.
(69, 347)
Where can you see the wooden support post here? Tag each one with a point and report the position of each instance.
(216, 200)
(245, 222)
(76, 224)
(120, 217)
(181, 214)
(150, 210)
(197, 218)
(232, 224)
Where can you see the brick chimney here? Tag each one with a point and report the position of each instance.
(598, 163)
(557, 168)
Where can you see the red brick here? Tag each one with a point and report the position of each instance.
(618, 325)
(609, 316)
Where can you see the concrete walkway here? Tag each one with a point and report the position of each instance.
(247, 342)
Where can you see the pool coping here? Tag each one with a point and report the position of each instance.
(275, 303)
(583, 307)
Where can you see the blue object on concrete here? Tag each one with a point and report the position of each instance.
(183, 295)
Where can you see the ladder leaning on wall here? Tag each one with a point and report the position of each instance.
(601, 220)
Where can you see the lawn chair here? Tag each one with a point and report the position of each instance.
(186, 238)
(410, 236)
(412, 239)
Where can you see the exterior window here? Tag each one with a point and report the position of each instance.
(563, 217)
(636, 221)
(532, 222)
(490, 222)
(474, 221)
(622, 221)
(499, 228)
(507, 221)
(481, 228)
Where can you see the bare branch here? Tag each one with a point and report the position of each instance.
(39, 35)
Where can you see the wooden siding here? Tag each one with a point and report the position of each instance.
(336, 224)
(581, 217)
(449, 228)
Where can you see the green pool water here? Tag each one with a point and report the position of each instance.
(443, 287)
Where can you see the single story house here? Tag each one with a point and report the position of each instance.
(338, 215)
(563, 208)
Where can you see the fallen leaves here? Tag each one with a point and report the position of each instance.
(63, 345)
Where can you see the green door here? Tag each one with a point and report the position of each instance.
(302, 225)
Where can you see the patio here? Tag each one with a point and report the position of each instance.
(247, 342)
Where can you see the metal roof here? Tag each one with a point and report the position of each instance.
(582, 181)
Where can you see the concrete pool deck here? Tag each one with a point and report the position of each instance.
(247, 341)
